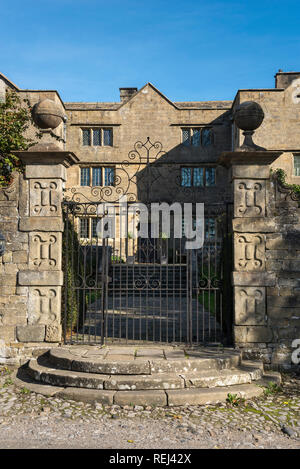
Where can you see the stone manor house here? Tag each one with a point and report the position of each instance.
(152, 149)
(192, 135)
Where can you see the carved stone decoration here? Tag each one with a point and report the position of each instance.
(250, 305)
(249, 252)
(44, 305)
(250, 198)
(45, 251)
(45, 197)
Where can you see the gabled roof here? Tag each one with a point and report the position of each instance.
(9, 82)
(98, 106)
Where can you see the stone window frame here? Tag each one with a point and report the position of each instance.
(204, 168)
(90, 179)
(296, 165)
(192, 131)
(92, 139)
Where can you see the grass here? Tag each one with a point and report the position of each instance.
(272, 388)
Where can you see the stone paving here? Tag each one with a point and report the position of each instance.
(272, 420)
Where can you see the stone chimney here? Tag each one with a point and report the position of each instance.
(126, 94)
(284, 79)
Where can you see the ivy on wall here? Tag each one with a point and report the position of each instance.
(15, 119)
(281, 177)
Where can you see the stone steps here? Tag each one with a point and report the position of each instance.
(156, 376)
(42, 371)
(153, 361)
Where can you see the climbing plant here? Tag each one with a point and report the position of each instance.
(281, 177)
(71, 301)
(15, 119)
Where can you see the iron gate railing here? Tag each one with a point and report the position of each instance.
(144, 289)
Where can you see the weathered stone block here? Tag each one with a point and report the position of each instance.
(249, 252)
(289, 241)
(31, 333)
(249, 198)
(41, 224)
(244, 334)
(8, 280)
(45, 251)
(8, 333)
(31, 277)
(53, 333)
(250, 305)
(7, 257)
(20, 257)
(253, 225)
(44, 305)
(284, 301)
(263, 279)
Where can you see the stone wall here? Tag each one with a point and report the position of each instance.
(266, 276)
(31, 274)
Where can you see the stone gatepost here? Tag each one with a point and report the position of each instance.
(40, 212)
(252, 220)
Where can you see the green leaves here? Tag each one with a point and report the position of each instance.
(15, 120)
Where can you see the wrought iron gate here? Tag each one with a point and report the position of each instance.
(130, 289)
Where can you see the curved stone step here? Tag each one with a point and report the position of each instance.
(43, 372)
(126, 361)
(191, 396)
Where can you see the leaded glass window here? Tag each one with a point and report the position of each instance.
(97, 176)
(94, 227)
(198, 179)
(84, 227)
(107, 137)
(210, 176)
(186, 136)
(206, 136)
(84, 176)
(96, 137)
(109, 176)
(86, 136)
(186, 177)
(196, 138)
(297, 165)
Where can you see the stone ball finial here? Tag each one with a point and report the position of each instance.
(248, 115)
(47, 114)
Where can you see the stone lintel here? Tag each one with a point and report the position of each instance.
(41, 224)
(66, 158)
(253, 225)
(255, 279)
(45, 171)
(248, 158)
(32, 277)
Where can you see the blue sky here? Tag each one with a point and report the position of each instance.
(189, 49)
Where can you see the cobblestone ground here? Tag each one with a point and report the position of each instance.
(29, 420)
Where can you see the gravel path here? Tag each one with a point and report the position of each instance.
(29, 420)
